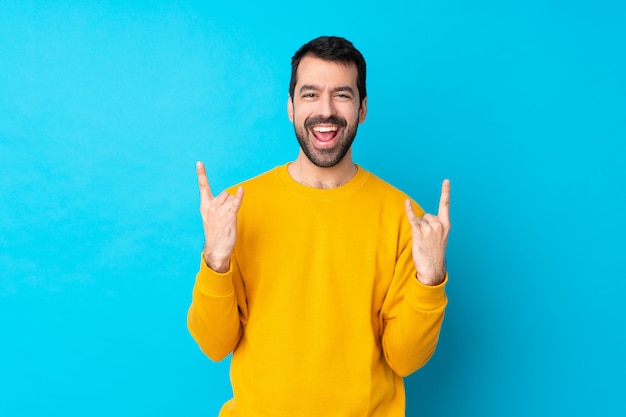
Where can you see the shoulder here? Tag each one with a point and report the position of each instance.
(375, 181)
(383, 189)
(387, 194)
(258, 182)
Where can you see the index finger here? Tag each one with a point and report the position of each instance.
(444, 202)
(203, 181)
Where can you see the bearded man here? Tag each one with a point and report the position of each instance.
(325, 283)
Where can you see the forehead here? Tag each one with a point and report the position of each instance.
(323, 73)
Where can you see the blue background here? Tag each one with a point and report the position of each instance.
(105, 107)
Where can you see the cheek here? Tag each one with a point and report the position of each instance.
(352, 114)
(357, 119)
(299, 115)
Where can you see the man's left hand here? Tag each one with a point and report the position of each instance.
(430, 237)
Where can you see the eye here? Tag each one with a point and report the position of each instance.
(343, 96)
(308, 95)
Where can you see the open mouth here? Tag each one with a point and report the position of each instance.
(325, 133)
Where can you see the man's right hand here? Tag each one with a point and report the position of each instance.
(219, 220)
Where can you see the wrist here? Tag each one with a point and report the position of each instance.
(218, 264)
(431, 280)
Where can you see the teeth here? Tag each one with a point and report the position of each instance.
(325, 128)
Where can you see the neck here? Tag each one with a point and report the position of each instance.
(304, 172)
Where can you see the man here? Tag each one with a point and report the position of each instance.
(326, 283)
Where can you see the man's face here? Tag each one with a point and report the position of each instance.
(325, 109)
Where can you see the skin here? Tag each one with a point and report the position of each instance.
(326, 93)
(430, 238)
(325, 90)
(219, 220)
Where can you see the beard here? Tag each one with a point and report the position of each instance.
(328, 157)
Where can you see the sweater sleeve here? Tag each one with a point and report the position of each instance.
(412, 315)
(215, 317)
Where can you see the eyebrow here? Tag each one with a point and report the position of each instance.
(317, 88)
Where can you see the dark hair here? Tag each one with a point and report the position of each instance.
(334, 49)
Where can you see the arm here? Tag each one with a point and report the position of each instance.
(213, 317)
(417, 300)
(412, 317)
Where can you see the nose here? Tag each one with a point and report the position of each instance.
(326, 107)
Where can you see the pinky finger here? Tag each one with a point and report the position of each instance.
(238, 199)
(410, 213)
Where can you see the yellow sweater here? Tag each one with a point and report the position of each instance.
(321, 307)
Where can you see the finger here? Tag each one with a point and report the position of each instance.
(203, 182)
(238, 199)
(221, 199)
(444, 202)
(430, 221)
(226, 199)
(411, 213)
(225, 203)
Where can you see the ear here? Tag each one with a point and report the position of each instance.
(290, 108)
(363, 110)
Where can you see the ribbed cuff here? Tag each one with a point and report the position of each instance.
(214, 283)
(427, 297)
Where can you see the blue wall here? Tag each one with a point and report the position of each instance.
(106, 106)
